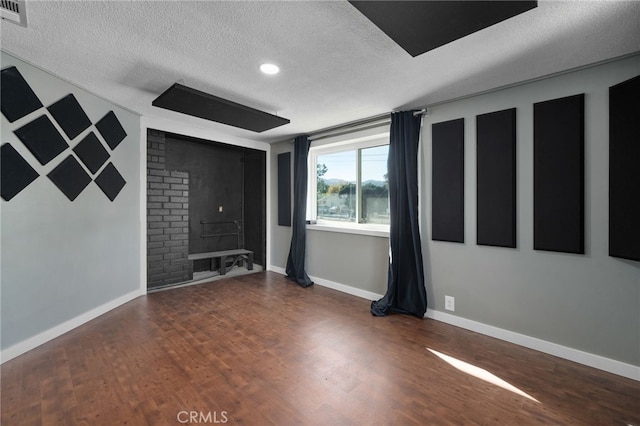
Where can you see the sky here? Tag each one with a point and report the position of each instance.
(341, 165)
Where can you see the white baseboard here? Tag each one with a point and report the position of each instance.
(39, 339)
(596, 361)
(585, 358)
(346, 289)
(334, 285)
(277, 269)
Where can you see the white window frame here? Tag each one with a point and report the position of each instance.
(378, 230)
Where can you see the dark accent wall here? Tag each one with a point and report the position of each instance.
(226, 184)
(215, 173)
(447, 197)
(167, 217)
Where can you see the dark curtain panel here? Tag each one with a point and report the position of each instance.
(295, 261)
(405, 287)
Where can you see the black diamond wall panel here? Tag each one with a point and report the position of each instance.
(17, 99)
(558, 175)
(111, 130)
(193, 102)
(447, 204)
(42, 138)
(70, 116)
(110, 181)
(15, 173)
(624, 169)
(496, 178)
(91, 152)
(70, 177)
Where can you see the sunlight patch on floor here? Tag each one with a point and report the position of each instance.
(480, 373)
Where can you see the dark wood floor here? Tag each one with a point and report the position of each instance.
(260, 350)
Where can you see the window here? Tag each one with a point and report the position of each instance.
(349, 188)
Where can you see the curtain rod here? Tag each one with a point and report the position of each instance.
(362, 124)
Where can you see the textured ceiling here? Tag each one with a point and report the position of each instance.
(336, 65)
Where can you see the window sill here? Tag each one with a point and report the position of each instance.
(373, 231)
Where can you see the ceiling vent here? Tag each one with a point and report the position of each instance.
(14, 11)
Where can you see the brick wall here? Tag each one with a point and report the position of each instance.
(167, 218)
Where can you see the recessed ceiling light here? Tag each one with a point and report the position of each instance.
(269, 69)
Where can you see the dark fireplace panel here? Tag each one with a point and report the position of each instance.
(215, 194)
(203, 196)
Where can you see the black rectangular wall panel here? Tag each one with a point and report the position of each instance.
(447, 202)
(558, 175)
(624, 169)
(420, 26)
(284, 189)
(496, 178)
(193, 102)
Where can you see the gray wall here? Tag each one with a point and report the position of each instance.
(61, 259)
(587, 302)
(358, 261)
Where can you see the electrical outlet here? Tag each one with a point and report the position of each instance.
(450, 303)
(220, 209)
